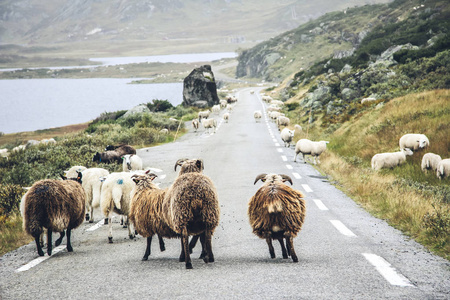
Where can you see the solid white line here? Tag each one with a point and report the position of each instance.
(307, 188)
(40, 259)
(297, 176)
(342, 228)
(387, 271)
(96, 226)
(279, 150)
(320, 204)
(289, 167)
(283, 157)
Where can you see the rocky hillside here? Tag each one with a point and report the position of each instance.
(89, 23)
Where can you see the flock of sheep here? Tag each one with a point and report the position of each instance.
(211, 123)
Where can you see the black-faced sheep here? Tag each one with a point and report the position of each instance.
(307, 147)
(430, 161)
(73, 171)
(389, 159)
(55, 205)
(277, 211)
(146, 211)
(443, 168)
(414, 141)
(191, 207)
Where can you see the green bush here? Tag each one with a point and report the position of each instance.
(10, 196)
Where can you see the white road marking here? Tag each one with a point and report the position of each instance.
(40, 259)
(342, 228)
(279, 150)
(307, 188)
(320, 204)
(277, 144)
(387, 271)
(96, 226)
(283, 157)
(289, 167)
(297, 176)
(155, 170)
(275, 140)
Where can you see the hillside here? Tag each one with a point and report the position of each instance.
(89, 28)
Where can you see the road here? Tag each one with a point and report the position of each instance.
(344, 252)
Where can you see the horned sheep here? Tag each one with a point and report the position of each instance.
(390, 159)
(54, 205)
(308, 147)
(443, 168)
(414, 141)
(277, 211)
(430, 161)
(131, 162)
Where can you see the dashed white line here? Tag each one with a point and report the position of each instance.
(283, 157)
(277, 144)
(289, 167)
(307, 188)
(274, 140)
(387, 271)
(279, 150)
(96, 226)
(342, 228)
(320, 204)
(297, 176)
(40, 259)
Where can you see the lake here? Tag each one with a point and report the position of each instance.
(33, 104)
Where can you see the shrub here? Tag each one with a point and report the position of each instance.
(10, 195)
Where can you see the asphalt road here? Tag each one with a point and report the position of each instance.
(344, 253)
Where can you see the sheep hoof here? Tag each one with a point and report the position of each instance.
(87, 217)
(145, 258)
(211, 259)
(91, 221)
(110, 240)
(188, 266)
(131, 236)
(41, 253)
(295, 259)
(69, 249)
(106, 221)
(124, 226)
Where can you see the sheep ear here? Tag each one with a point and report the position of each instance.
(286, 178)
(199, 164)
(63, 177)
(80, 175)
(260, 176)
(179, 162)
(152, 176)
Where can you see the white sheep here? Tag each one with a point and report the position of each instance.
(305, 146)
(216, 109)
(298, 128)
(208, 124)
(164, 131)
(229, 107)
(430, 161)
(115, 197)
(283, 121)
(257, 115)
(131, 162)
(390, 159)
(443, 168)
(92, 186)
(226, 117)
(195, 124)
(277, 103)
(368, 100)
(223, 103)
(4, 152)
(73, 171)
(287, 136)
(414, 141)
(203, 114)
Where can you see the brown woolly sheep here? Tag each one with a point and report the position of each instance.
(55, 205)
(122, 149)
(146, 211)
(277, 211)
(191, 207)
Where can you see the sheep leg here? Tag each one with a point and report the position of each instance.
(148, 249)
(49, 242)
(185, 240)
(283, 248)
(69, 245)
(271, 250)
(91, 220)
(182, 255)
(110, 237)
(304, 158)
(130, 230)
(38, 246)
(87, 216)
(59, 240)
(210, 255)
(162, 246)
(290, 244)
(193, 242)
(202, 242)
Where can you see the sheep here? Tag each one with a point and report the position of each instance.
(370, 99)
(267, 99)
(390, 159)
(164, 131)
(191, 207)
(195, 124)
(282, 121)
(108, 156)
(131, 162)
(121, 149)
(273, 108)
(257, 114)
(73, 171)
(305, 146)
(146, 211)
(48, 141)
(226, 117)
(229, 107)
(55, 205)
(277, 211)
(430, 161)
(115, 197)
(414, 141)
(273, 115)
(203, 115)
(4, 152)
(287, 136)
(216, 109)
(209, 123)
(18, 148)
(92, 186)
(298, 128)
(277, 103)
(443, 168)
(223, 103)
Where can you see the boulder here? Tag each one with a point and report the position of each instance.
(139, 109)
(200, 86)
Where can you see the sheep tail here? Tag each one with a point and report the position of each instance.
(116, 197)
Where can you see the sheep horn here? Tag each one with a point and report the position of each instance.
(199, 164)
(180, 162)
(260, 176)
(286, 178)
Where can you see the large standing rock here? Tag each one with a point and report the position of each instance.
(199, 88)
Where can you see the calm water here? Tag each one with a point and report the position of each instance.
(28, 105)
(32, 104)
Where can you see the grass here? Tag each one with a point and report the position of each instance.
(12, 235)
